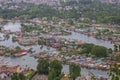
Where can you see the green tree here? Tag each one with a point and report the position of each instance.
(18, 76)
(74, 71)
(71, 22)
(52, 75)
(87, 48)
(17, 49)
(115, 72)
(14, 76)
(119, 47)
(43, 67)
(57, 66)
(99, 51)
(109, 51)
(115, 48)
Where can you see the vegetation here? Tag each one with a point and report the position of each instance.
(87, 48)
(30, 74)
(57, 67)
(95, 10)
(74, 71)
(99, 51)
(115, 48)
(52, 75)
(32, 11)
(93, 50)
(30, 28)
(18, 76)
(13, 51)
(87, 9)
(43, 67)
(115, 72)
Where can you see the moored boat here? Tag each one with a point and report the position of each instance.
(21, 53)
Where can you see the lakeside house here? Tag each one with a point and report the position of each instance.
(26, 41)
(117, 53)
(9, 69)
(1, 53)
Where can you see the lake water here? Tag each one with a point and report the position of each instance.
(88, 39)
(32, 63)
(13, 26)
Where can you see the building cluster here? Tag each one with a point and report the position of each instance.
(48, 2)
(110, 1)
(51, 2)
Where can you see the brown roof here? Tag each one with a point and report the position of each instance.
(117, 53)
(6, 69)
(79, 43)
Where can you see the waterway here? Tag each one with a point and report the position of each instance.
(24, 60)
(32, 63)
(88, 39)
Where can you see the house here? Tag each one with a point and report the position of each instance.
(79, 43)
(117, 53)
(1, 53)
(9, 69)
(4, 76)
(56, 45)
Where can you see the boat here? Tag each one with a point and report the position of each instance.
(21, 53)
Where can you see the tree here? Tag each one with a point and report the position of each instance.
(110, 51)
(21, 77)
(115, 72)
(56, 66)
(14, 76)
(18, 76)
(119, 47)
(99, 51)
(87, 48)
(74, 71)
(17, 49)
(71, 22)
(43, 67)
(115, 48)
(52, 75)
